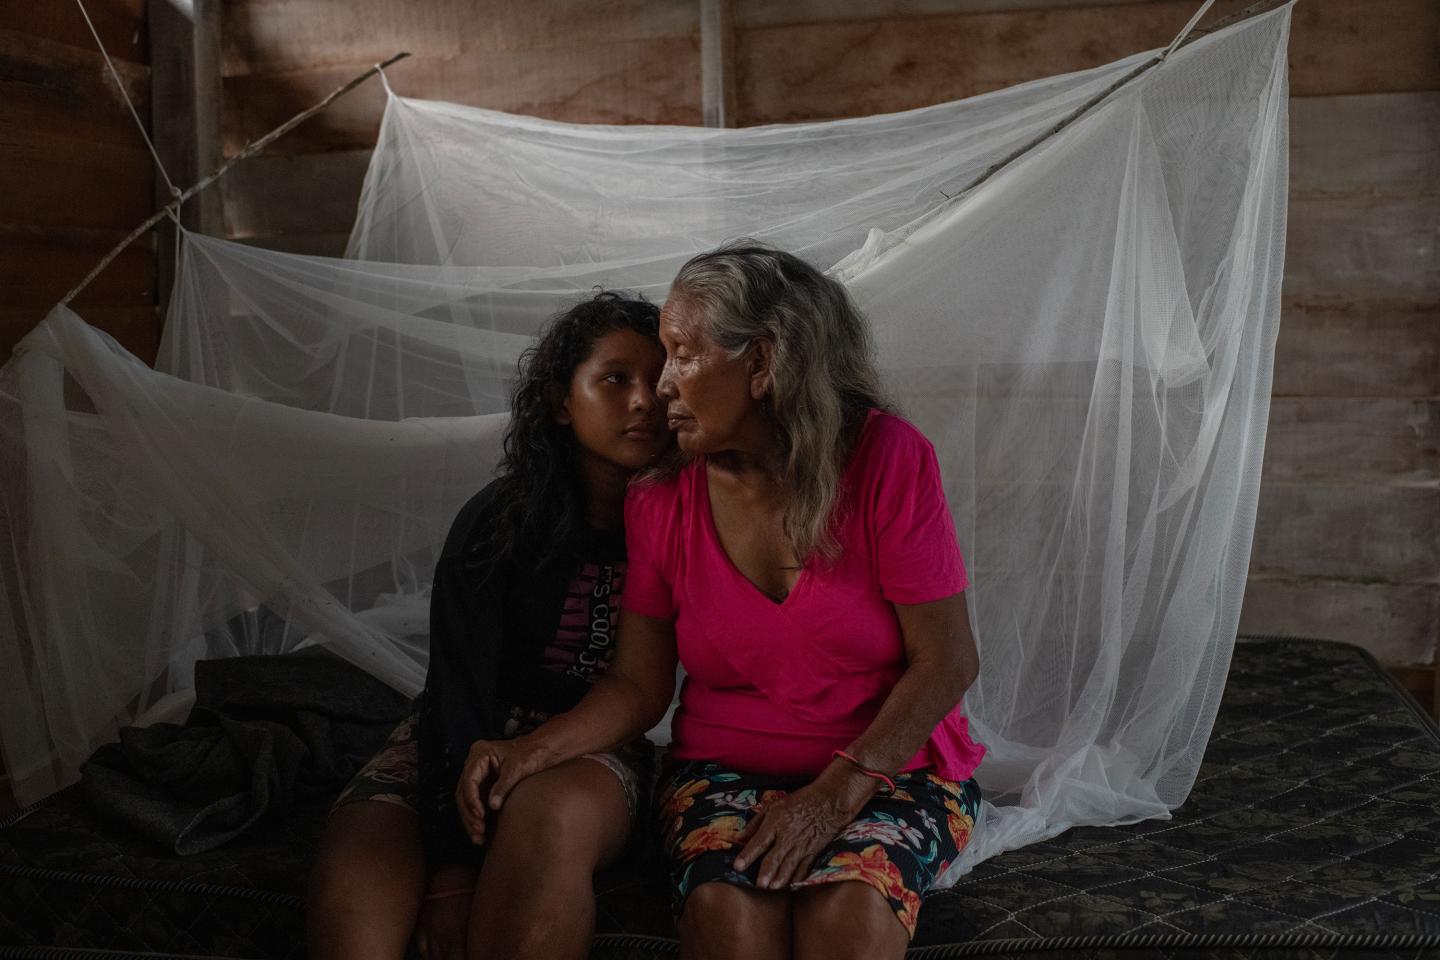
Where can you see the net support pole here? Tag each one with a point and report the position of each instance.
(250, 149)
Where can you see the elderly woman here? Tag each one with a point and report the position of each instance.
(801, 561)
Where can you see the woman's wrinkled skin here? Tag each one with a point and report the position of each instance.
(716, 402)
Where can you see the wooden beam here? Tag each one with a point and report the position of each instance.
(766, 13)
(209, 104)
(185, 116)
(717, 63)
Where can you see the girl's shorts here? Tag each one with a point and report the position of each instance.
(899, 844)
(393, 774)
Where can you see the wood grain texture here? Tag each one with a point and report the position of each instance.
(1381, 145)
(38, 266)
(1396, 622)
(307, 193)
(76, 173)
(120, 23)
(1353, 439)
(78, 184)
(767, 13)
(1363, 248)
(62, 110)
(630, 82)
(285, 36)
(1358, 348)
(1361, 531)
(842, 68)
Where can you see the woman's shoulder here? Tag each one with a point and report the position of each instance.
(651, 493)
(888, 437)
(659, 501)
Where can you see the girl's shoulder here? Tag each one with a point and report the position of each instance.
(474, 518)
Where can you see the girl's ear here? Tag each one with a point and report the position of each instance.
(560, 406)
(762, 358)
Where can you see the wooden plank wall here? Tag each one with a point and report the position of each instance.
(610, 61)
(1347, 542)
(1348, 536)
(76, 172)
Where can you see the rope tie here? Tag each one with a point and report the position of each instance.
(120, 85)
(385, 81)
(172, 208)
(1180, 38)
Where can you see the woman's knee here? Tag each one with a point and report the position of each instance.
(848, 919)
(722, 920)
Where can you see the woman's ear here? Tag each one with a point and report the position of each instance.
(762, 358)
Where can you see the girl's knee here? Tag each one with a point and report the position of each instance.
(370, 854)
(565, 815)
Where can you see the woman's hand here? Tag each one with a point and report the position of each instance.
(491, 771)
(788, 832)
(444, 918)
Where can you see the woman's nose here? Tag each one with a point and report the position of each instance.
(665, 389)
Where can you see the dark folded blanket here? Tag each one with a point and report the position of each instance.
(265, 732)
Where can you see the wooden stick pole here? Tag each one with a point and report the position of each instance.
(173, 207)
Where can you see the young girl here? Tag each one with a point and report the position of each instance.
(522, 622)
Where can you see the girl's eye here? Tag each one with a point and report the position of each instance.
(615, 378)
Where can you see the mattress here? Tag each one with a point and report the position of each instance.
(1313, 831)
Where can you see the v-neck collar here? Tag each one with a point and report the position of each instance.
(707, 512)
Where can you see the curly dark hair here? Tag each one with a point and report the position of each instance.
(539, 506)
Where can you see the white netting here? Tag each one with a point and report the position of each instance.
(1087, 338)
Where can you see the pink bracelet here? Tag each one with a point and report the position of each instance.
(449, 893)
(872, 774)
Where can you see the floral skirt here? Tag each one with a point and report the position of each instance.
(899, 844)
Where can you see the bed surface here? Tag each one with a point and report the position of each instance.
(1312, 831)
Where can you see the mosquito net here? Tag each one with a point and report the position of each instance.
(1086, 336)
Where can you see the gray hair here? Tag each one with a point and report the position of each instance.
(823, 375)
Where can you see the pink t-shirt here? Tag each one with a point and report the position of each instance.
(776, 687)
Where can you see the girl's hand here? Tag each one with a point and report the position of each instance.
(788, 833)
(491, 771)
(444, 918)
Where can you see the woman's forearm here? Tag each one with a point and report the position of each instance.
(630, 698)
(920, 699)
(943, 663)
(615, 711)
